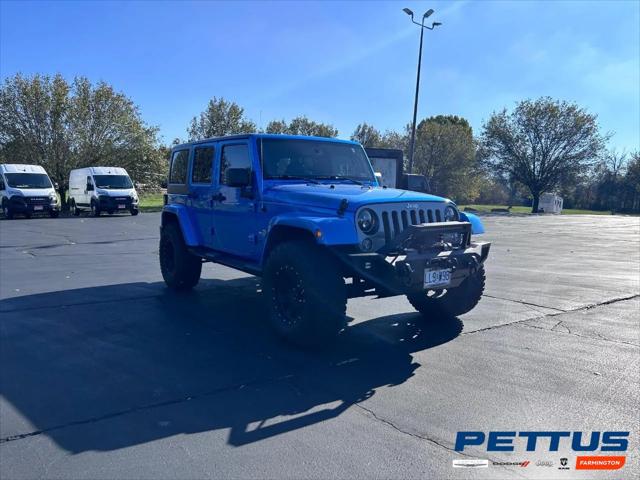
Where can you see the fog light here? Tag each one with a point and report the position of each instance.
(366, 244)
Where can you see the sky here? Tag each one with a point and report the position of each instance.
(338, 62)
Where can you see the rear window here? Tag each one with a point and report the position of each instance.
(179, 163)
(202, 165)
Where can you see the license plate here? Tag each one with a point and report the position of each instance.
(436, 278)
(37, 207)
(122, 206)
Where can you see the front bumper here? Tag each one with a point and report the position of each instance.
(108, 203)
(400, 268)
(20, 204)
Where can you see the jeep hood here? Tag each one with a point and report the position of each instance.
(330, 195)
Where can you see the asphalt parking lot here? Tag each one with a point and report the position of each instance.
(106, 374)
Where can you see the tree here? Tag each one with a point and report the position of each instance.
(542, 143)
(49, 122)
(220, 118)
(302, 126)
(445, 152)
(367, 135)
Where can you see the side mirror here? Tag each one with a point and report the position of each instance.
(237, 177)
(56, 185)
(89, 187)
(163, 184)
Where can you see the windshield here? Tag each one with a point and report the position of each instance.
(112, 181)
(302, 159)
(28, 180)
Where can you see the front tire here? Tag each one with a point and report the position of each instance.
(305, 294)
(180, 269)
(453, 302)
(95, 210)
(54, 213)
(134, 211)
(6, 210)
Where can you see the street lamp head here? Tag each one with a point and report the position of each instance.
(408, 12)
(435, 24)
(428, 13)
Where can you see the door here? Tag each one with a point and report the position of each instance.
(235, 211)
(89, 191)
(200, 192)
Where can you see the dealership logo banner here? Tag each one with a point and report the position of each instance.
(600, 462)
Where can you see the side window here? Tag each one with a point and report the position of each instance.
(179, 164)
(202, 165)
(234, 156)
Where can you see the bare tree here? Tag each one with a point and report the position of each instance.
(542, 142)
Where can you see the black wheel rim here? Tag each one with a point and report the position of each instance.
(289, 295)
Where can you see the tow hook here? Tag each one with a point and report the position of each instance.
(405, 271)
(473, 265)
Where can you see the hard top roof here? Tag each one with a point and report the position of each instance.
(246, 136)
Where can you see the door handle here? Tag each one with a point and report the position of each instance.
(218, 197)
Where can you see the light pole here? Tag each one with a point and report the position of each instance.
(422, 26)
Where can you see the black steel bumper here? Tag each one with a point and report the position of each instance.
(19, 204)
(108, 203)
(400, 267)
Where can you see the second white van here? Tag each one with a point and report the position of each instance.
(102, 189)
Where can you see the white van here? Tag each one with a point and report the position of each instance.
(102, 189)
(27, 189)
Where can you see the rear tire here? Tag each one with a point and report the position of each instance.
(180, 269)
(74, 208)
(453, 302)
(54, 213)
(305, 294)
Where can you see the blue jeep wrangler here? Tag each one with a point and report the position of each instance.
(308, 216)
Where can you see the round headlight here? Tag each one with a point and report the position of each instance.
(367, 221)
(451, 214)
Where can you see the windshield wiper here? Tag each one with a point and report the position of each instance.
(293, 177)
(340, 177)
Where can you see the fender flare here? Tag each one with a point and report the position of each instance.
(327, 230)
(189, 232)
(477, 228)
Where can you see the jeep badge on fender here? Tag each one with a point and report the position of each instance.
(308, 215)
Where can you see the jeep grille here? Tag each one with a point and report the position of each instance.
(396, 217)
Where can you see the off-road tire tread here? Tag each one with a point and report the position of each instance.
(188, 267)
(325, 293)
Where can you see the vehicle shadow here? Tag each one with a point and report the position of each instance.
(101, 368)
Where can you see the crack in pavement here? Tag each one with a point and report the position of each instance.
(375, 416)
(149, 406)
(522, 302)
(595, 335)
(562, 312)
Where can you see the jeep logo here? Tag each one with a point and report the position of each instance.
(411, 206)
